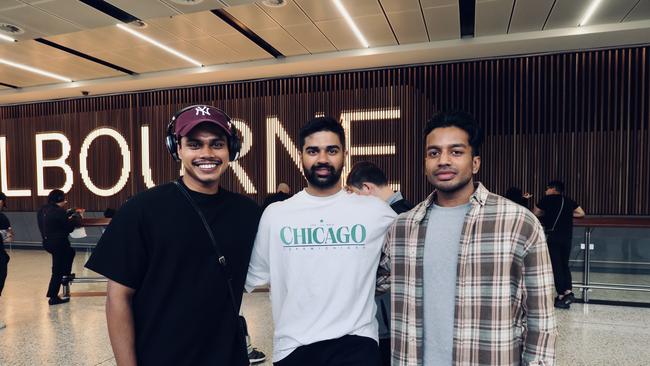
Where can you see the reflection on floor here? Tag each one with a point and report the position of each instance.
(75, 333)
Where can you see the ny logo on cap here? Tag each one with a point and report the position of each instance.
(203, 110)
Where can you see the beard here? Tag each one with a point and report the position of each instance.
(322, 182)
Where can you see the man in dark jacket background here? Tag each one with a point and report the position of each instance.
(55, 224)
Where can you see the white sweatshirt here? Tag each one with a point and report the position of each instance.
(320, 256)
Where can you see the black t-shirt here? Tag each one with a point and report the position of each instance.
(157, 245)
(551, 205)
(4, 225)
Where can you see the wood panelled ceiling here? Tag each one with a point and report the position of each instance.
(298, 28)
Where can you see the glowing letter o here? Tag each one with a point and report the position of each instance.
(126, 162)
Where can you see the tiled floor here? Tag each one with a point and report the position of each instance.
(75, 333)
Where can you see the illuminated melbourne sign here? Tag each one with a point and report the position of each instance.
(275, 131)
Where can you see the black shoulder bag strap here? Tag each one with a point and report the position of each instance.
(223, 264)
(558, 214)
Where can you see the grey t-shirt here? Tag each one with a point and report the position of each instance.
(440, 261)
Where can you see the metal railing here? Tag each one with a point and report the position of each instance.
(588, 245)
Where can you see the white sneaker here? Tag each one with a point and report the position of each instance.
(2, 325)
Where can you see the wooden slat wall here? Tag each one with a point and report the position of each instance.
(582, 117)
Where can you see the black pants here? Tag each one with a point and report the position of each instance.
(62, 257)
(4, 260)
(349, 350)
(384, 351)
(559, 250)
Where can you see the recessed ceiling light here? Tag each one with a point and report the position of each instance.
(274, 3)
(11, 29)
(34, 70)
(8, 31)
(126, 28)
(590, 11)
(351, 23)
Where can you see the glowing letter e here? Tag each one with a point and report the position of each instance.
(126, 162)
(59, 162)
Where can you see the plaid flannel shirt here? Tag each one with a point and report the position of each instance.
(504, 286)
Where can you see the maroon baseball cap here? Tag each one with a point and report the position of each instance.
(193, 115)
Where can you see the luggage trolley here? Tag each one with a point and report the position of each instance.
(67, 280)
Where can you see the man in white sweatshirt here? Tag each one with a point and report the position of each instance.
(319, 250)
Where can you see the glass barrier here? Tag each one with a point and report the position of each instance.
(610, 259)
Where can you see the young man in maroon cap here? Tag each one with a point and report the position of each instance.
(170, 300)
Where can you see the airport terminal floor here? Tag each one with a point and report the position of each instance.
(75, 333)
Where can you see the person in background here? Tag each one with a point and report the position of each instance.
(109, 213)
(367, 179)
(556, 212)
(6, 235)
(55, 224)
(255, 356)
(281, 194)
(515, 195)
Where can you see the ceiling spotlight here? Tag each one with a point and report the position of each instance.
(12, 29)
(8, 30)
(274, 3)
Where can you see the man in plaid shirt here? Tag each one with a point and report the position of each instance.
(471, 278)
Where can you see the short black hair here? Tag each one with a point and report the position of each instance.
(557, 184)
(319, 124)
(366, 172)
(109, 213)
(462, 120)
(56, 196)
(513, 193)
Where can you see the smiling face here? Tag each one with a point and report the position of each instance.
(449, 164)
(322, 161)
(204, 155)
